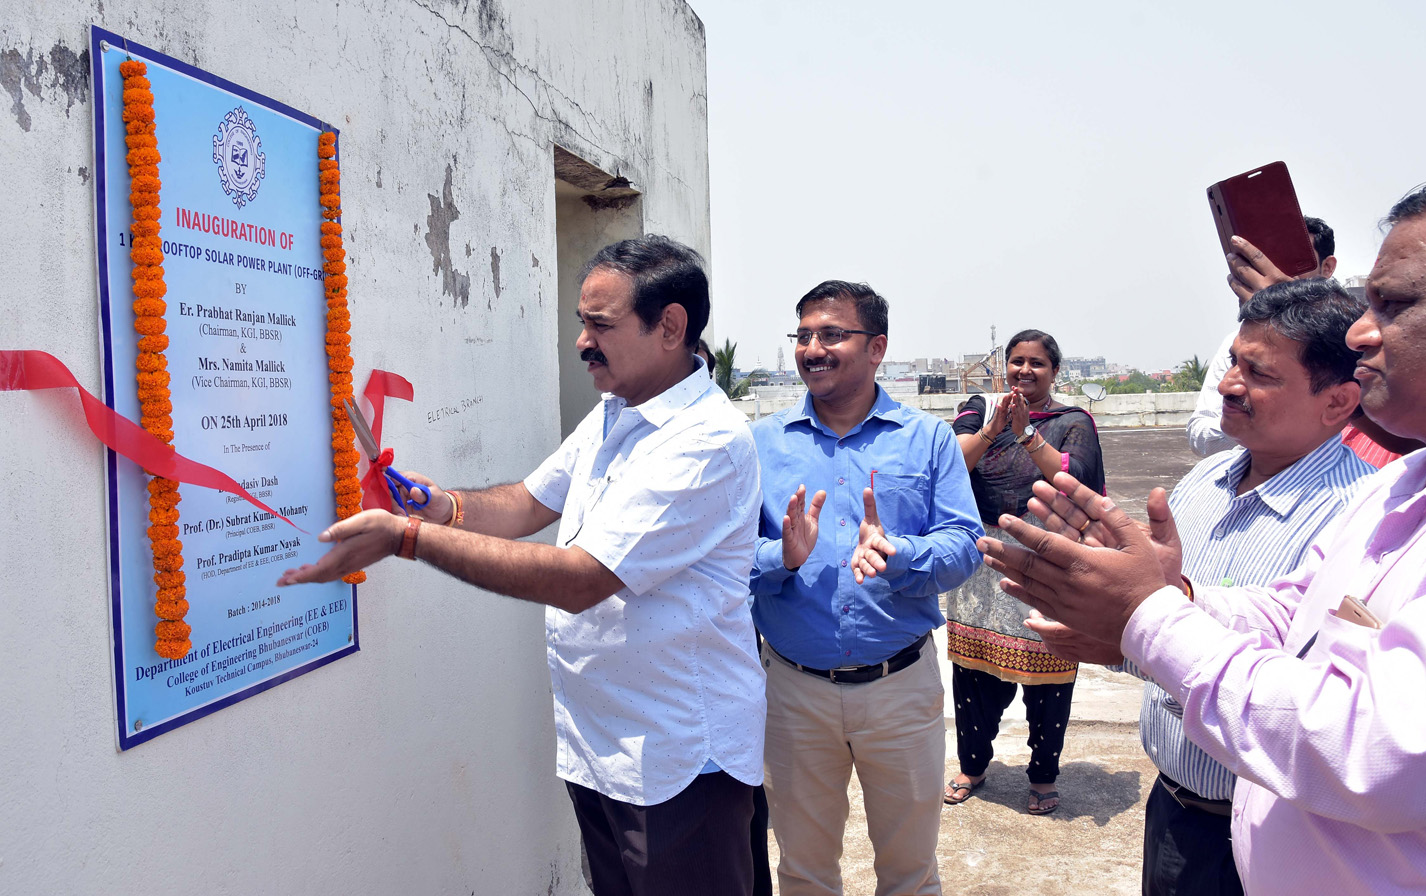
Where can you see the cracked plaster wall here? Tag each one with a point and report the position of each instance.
(424, 763)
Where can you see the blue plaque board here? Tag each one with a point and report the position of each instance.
(246, 322)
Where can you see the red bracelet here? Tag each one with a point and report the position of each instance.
(408, 539)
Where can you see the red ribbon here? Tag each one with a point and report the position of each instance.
(33, 370)
(379, 386)
(373, 485)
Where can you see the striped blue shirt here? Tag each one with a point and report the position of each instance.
(1248, 539)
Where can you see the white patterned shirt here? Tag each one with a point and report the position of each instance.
(661, 678)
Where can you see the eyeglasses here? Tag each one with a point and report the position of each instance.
(827, 335)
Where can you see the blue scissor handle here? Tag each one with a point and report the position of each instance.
(394, 478)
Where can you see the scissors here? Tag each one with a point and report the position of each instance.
(393, 478)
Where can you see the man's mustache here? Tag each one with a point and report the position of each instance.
(593, 354)
(1239, 403)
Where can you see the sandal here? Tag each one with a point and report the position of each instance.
(959, 792)
(1037, 800)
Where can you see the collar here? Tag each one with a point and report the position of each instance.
(883, 407)
(1282, 491)
(661, 408)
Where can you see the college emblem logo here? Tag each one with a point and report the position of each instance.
(237, 151)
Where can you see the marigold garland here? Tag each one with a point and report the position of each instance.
(339, 324)
(155, 408)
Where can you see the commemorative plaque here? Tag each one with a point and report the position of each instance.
(246, 325)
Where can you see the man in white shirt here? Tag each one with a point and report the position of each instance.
(1205, 428)
(658, 692)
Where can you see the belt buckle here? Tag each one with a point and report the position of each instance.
(832, 673)
(1173, 788)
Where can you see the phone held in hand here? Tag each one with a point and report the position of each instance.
(1261, 207)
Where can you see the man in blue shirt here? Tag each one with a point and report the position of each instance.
(846, 613)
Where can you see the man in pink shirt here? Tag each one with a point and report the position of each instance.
(1308, 689)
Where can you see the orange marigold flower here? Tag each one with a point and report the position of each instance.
(171, 609)
(172, 650)
(172, 630)
(154, 379)
(155, 344)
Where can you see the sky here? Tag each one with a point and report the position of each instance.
(1039, 164)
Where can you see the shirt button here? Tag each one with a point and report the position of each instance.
(849, 653)
(844, 563)
(846, 609)
(843, 522)
(841, 480)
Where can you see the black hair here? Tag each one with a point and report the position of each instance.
(1316, 314)
(1052, 348)
(1324, 242)
(1412, 205)
(872, 310)
(665, 272)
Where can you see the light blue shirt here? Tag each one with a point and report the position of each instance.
(819, 616)
(661, 680)
(1248, 539)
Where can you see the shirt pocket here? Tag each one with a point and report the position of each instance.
(903, 502)
(1340, 641)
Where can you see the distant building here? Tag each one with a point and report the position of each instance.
(1084, 368)
(1357, 286)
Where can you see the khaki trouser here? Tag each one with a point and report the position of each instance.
(894, 732)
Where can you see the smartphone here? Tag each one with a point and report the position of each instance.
(1353, 610)
(1261, 207)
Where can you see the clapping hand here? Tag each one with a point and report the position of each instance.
(1068, 644)
(799, 527)
(1019, 412)
(869, 557)
(1093, 590)
(999, 415)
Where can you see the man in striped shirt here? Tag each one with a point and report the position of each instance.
(1308, 688)
(1245, 517)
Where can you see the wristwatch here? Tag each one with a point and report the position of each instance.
(1026, 434)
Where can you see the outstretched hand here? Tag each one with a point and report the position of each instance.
(799, 527)
(358, 542)
(1092, 589)
(873, 547)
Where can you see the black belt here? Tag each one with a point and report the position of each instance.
(862, 674)
(1190, 800)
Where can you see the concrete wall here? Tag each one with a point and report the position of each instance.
(425, 763)
(1146, 409)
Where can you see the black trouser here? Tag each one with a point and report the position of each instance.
(695, 843)
(762, 872)
(981, 699)
(1187, 852)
